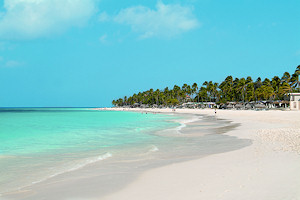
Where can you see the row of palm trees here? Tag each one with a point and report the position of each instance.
(231, 89)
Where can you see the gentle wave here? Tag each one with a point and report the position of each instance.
(176, 130)
(183, 122)
(90, 161)
(154, 148)
(80, 165)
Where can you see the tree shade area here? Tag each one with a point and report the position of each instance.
(230, 90)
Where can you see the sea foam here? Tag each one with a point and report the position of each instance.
(154, 148)
(183, 122)
(79, 165)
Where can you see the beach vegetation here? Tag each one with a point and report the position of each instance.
(230, 90)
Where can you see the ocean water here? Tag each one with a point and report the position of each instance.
(39, 143)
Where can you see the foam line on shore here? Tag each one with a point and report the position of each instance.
(184, 122)
(79, 165)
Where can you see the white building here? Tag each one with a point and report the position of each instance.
(295, 101)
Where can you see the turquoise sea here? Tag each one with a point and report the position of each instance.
(39, 143)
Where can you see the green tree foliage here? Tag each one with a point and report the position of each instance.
(231, 89)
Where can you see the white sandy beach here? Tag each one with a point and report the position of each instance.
(269, 169)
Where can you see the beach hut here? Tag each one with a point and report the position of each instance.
(143, 106)
(229, 106)
(294, 101)
(248, 106)
(154, 106)
(222, 106)
(259, 106)
(135, 105)
(239, 106)
(284, 103)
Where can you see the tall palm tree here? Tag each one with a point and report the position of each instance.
(236, 91)
(241, 86)
(295, 79)
(284, 89)
(188, 91)
(176, 90)
(229, 87)
(286, 78)
(209, 88)
(195, 90)
(249, 93)
(203, 94)
(257, 83)
(214, 90)
(276, 82)
(266, 82)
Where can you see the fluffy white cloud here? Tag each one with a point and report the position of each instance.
(9, 63)
(167, 20)
(103, 17)
(103, 38)
(13, 63)
(36, 18)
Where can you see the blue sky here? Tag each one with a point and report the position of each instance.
(88, 52)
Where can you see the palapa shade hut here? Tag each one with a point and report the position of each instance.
(260, 106)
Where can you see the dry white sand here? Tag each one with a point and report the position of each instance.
(269, 169)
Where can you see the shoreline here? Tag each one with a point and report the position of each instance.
(137, 186)
(267, 169)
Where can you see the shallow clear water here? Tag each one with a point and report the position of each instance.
(38, 143)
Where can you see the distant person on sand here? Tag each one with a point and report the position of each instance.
(174, 109)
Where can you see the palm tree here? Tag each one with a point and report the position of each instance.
(214, 90)
(276, 84)
(229, 87)
(284, 89)
(203, 94)
(209, 88)
(195, 90)
(229, 90)
(295, 79)
(176, 90)
(249, 89)
(241, 86)
(266, 82)
(236, 91)
(286, 78)
(257, 83)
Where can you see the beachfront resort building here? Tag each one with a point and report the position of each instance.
(295, 101)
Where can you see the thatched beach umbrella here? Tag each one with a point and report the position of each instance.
(229, 106)
(260, 106)
(222, 106)
(239, 106)
(135, 105)
(248, 106)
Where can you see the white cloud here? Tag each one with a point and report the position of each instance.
(167, 20)
(103, 17)
(9, 63)
(103, 38)
(24, 19)
(13, 63)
